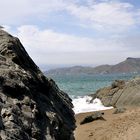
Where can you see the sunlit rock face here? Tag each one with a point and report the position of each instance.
(120, 93)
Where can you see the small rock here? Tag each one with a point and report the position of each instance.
(93, 117)
(119, 110)
(118, 83)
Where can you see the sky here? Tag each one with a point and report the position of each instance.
(59, 33)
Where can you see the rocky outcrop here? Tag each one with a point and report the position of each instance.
(120, 93)
(31, 106)
(106, 94)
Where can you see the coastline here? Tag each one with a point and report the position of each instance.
(83, 105)
(124, 126)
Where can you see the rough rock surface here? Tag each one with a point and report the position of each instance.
(32, 107)
(120, 93)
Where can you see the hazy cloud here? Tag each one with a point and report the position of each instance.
(24, 11)
(106, 15)
(101, 15)
(49, 47)
(112, 19)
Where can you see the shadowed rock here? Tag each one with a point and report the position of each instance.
(95, 116)
(31, 106)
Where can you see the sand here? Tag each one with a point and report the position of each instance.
(122, 126)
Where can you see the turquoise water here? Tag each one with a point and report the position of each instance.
(80, 85)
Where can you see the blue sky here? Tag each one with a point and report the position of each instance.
(59, 33)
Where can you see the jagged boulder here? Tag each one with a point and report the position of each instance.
(105, 94)
(31, 106)
(120, 93)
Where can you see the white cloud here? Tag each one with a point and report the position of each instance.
(49, 47)
(19, 12)
(105, 15)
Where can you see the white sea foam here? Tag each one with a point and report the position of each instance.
(82, 104)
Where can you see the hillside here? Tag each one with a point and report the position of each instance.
(130, 65)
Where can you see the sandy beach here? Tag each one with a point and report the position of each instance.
(122, 126)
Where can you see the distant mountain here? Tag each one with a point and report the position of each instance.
(130, 65)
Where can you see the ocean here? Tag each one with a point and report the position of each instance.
(78, 87)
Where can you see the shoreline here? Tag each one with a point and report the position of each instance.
(124, 126)
(83, 105)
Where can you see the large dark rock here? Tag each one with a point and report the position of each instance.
(120, 94)
(31, 106)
